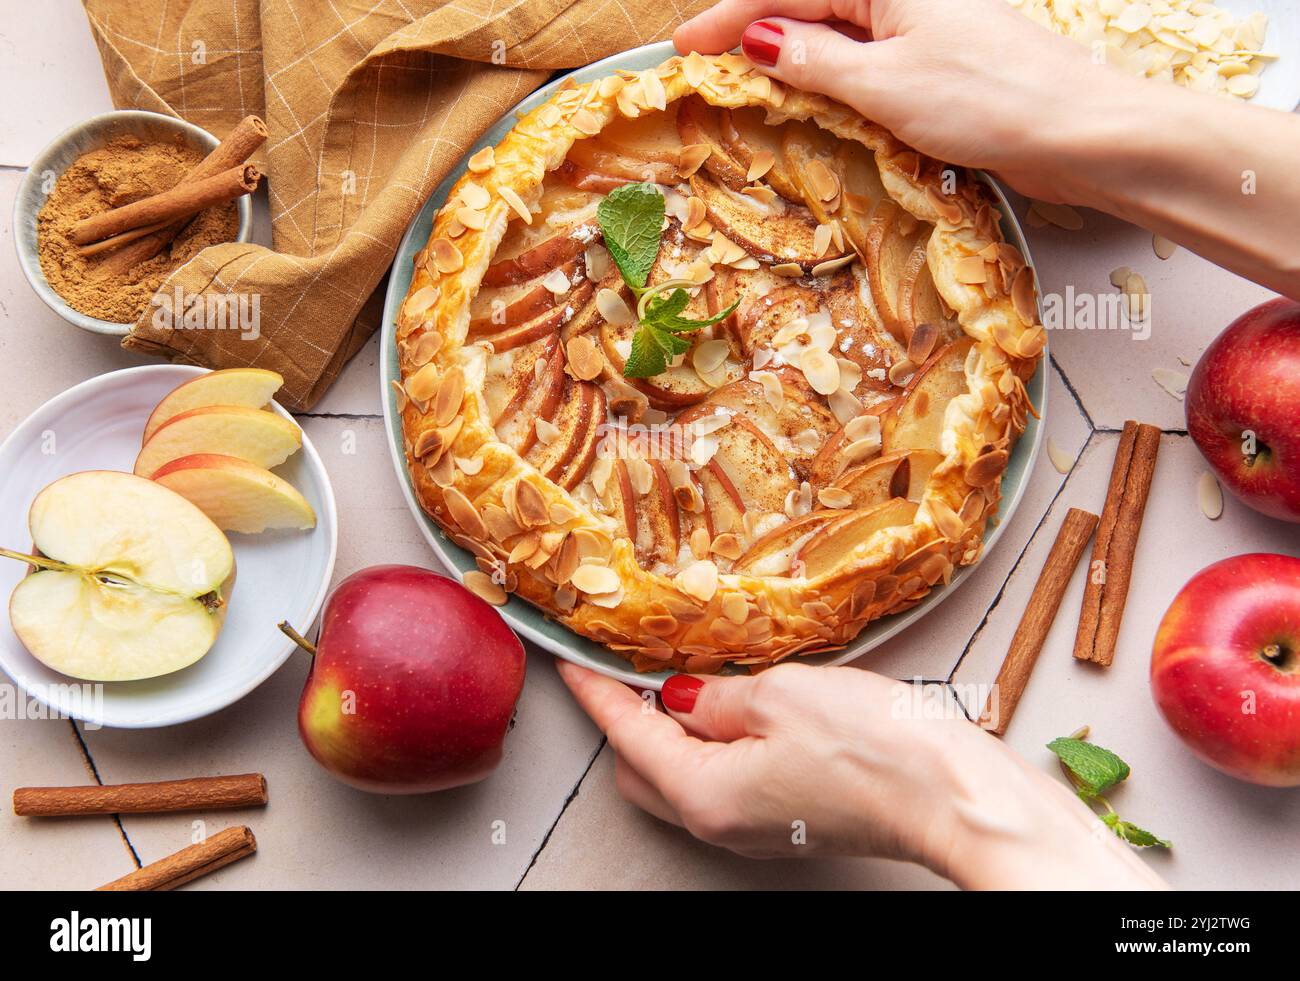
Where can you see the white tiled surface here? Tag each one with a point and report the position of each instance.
(565, 824)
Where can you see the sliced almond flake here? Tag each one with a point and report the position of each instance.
(613, 308)
(1060, 215)
(471, 218)
(547, 432)
(1173, 382)
(641, 474)
(709, 356)
(861, 449)
(586, 122)
(844, 406)
(512, 198)
(425, 347)
(482, 586)
(1210, 496)
(821, 370)
(862, 427)
(584, 360)
(703, 449)
(694, 69)
(1119, 276)
(483, 161)
(971, 270)
(474, 196)
(834, 497)
(822, 240)
(700, 543)
(850, 374)
(446, 257)
(695, 213)
(596, 580)
(608, 601)
(597, 260)
(470, 465)
(901, 372)
(760, 193)
(825, 183)
(1061, 460)
(653, 86)
(699, 579)
(399, 395)
(610, 86)
(557, 282)
(762, 162)
(1162, 247)
(707, 425)
(1024, 296)
(418, 303)
(790, 270)
(691, 157)
(422, 385)
(921, 343)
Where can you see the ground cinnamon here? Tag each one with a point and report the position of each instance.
(127, 169)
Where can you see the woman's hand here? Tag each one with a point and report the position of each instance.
(814, 761)
(972, 82)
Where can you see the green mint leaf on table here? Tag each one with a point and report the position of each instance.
(631, 219)
(1131, 833)
(1095, 770)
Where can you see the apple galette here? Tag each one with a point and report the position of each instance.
(712, 370)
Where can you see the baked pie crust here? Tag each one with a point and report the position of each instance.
(726, 510)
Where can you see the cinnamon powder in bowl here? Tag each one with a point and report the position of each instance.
(107, 162)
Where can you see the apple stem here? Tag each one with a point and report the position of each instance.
(297, 638)
(39, 561)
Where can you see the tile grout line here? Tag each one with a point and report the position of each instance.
(94, 772)
(337, 415)
(997, 597)
(567, 801)
(1074, 394)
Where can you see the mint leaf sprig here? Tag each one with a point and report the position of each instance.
(631, 219)
(1094, 770)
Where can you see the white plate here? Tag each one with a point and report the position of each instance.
(281, 575)
(526, 619)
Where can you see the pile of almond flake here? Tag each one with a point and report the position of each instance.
(1191, 42)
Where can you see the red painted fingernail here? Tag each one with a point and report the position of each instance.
(679, 693)
(761, 42)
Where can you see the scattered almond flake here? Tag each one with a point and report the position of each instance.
(641, 475)
(586, 122)
(821, 370)
(695, 69)
(471, 218)
(596, 580)
(850, 374)
(824, 181)
(512, 198)
(610, 86)
(807, 441)
(834, 497)
(691, 157)
(474, 195)
(862, 427)
(613, 308)
(822, 240)
(709, 355)
(1163, 247)
(1173, 382)
(706, 425)
(901, 372)
(699, 542)
(760, 193)
(446, 257)
(608, 601)
(597, 260)
(556, 282)
(833, 265)
(547, 432)
(861, 449)
(1119, 276)
(584, 360)
(703, 449)
(844, 406)
(482, 161)
(1210, 495)
(481, 585)
(1137, 297)
(653, 86)
(1060, 215)
(699, 579)
(1061, 460)
(790, 270)
(971, 270)
(726, 544)
(762, 162)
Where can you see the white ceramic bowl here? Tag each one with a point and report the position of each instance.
(282, 575)
(94, 133)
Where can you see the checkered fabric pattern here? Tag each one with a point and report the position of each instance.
(368, 106)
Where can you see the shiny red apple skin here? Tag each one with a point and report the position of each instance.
(1210, 653)
(434, 674)
(1249, 379)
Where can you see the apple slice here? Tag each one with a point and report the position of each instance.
(722, 501)
(700, 123)
(798, 426)
(597, 156)
(775, 233)
(236, 494)
(131, 581)
(537, 258)
(263, 438)
(492, 310)
(772, 554)
(250, 387)
(863, 192)
(803, 142)
(511, 375)
(891, 239)
(828, 547)
(549, 322)
(745, 134)
(537, 396)
(916, 421)
(750, 461)
(903, 474)
(567, 429)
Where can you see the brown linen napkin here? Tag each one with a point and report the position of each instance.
(368, 107)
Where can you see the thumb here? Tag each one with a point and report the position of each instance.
(818, 58)
(714, 708)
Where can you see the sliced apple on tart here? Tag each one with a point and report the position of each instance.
(825, 550)
(700, 124)
(900, 474)
(916, 421)
(748, 138)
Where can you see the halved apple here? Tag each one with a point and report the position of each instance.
(263, 438)
(826, 550)
(916, 421)
(235, 494)
(903, 474)
(250, 387)
(772, 554)
(131, 579)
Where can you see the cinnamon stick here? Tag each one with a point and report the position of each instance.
(219, 850)
(196, 794)
(186, 198)
(236, 148)
(1040, 612)
(1111, 568)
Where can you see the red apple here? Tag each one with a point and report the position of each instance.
(1225, 670)
(1243, 408)
(413, 684)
